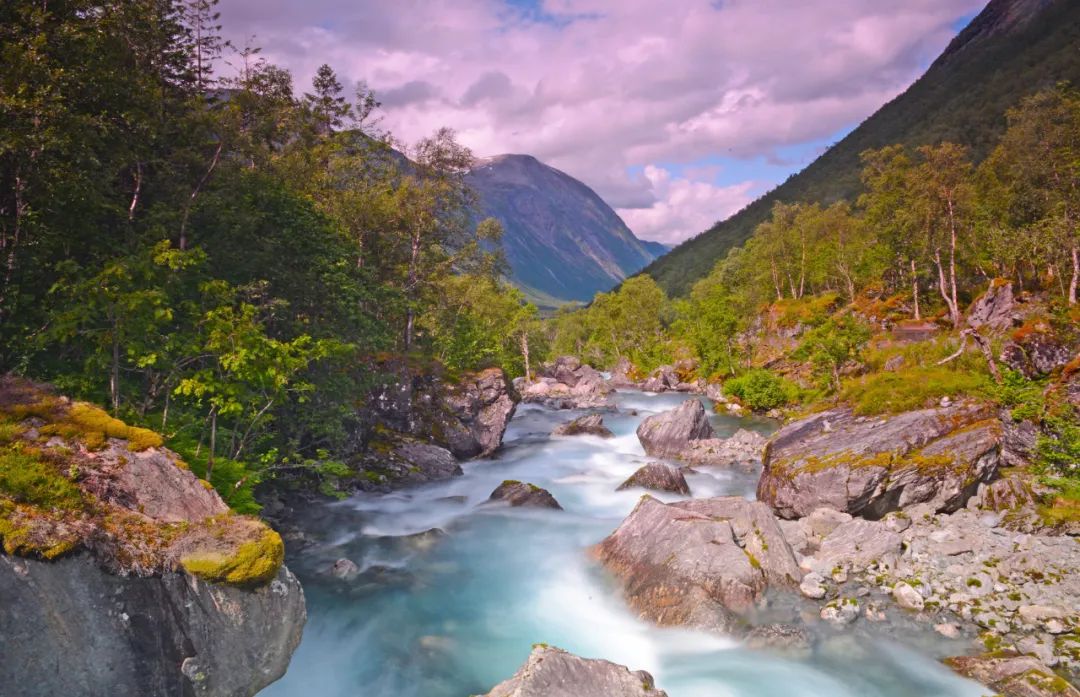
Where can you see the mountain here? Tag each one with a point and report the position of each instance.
(562, 241)
(1011, 49)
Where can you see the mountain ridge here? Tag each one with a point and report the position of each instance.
(1010, 49)
(563, 242)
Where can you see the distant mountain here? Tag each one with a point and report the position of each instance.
(1011, 49)
(562, 241)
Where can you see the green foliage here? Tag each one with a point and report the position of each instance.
(761, 389)
(912, 388)
(1057, 450)
(1023, 396)
(830, 346)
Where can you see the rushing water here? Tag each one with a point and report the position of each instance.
(450, 615)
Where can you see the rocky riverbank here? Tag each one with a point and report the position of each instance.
(122, 572)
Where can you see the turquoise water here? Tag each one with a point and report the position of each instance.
(451, 615)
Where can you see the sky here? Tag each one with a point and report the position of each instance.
(677, 113)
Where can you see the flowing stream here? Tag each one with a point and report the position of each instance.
(452, 613)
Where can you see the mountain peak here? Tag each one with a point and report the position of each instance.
(998, 17)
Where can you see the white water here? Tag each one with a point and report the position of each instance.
(452, 616)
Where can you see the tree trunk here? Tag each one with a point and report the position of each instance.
(915, 289)
(114, 371)
(954, 306)
(954, 314)
(525, 355)
(1075, 274)
(410, 318)
(213, 443)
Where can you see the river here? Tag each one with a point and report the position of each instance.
(451, 615)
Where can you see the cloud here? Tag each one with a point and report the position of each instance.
(683, 207)
(604, 88)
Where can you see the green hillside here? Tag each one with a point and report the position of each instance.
(1012, 48)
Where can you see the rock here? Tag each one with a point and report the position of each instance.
(948, 630)
(165, 635)
(715, 392)
(1013, 675)
(894, 363)
(552, 672)
(569, 384)
(658, 477)
(669, 433)
(523, 495)
(1035, 349)
(907, 597)
(823, 521)
(622, 373)
(1005, 494)
(785, 638)
(148, 585)
(840, 612)
(481, 406)
(700, 563)
(856, 544)
(813, 586)
(403, 460)
(345, 570)
(871, 466)
(663, 379)
(993, 309)
(591, 424)
(743, 448)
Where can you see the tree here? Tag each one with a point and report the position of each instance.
(327, 105)
(830, 346)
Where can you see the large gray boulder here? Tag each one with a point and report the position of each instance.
(743, 449)
(670, 433)
(567, 383)
(870, 466)
(70, 628)
(479, 407)
(994, 309)
(702, 563)
(658, 477)
(552, 672)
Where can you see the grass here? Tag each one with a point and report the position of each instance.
(914, 388)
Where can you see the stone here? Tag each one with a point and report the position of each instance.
(856, 544)
(743, 448)
(907, 597)
(552, 672)
(840, 612)
(784, 638)
(590, 424)
(994, 309)
(949, 630)
(1013, 675)
(669, 433)
(481, 406)
(344, 569)
(167, 635)
(567, 383)
(823, 521)
(702, 563)
(813, 586)
(872, 466)
(523, 495)
(658, 477)
(622, 373)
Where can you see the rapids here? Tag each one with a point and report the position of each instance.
(451, 615)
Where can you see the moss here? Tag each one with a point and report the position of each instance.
(974, 583)
(1045, 681)
(253, 563)
(753, 560)
(93, 421)
(26, 477)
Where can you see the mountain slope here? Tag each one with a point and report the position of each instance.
(1012, 48)
(562, 241)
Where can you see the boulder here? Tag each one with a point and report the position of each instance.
(658, 477)
(344, 569)
(785, 638)
(869, 466)
(552, 672)
(662, 379)
(743, 449)
(622, 373)
(396, 460)
(1013, 675)
(994, 309)
(856, 544)
(569, 384)
(1036, 349)
(701, 563)
(907, 597)
(523, 495)
(479, 408)
(591, 425)
(669, 433)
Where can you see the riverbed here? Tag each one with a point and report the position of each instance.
(454, 594)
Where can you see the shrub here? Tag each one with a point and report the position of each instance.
(761, 389)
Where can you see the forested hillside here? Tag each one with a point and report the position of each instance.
(1009, 50)
(231, 259)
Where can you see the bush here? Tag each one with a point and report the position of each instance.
(1057, 450)
(915, 388)
(761, 389)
